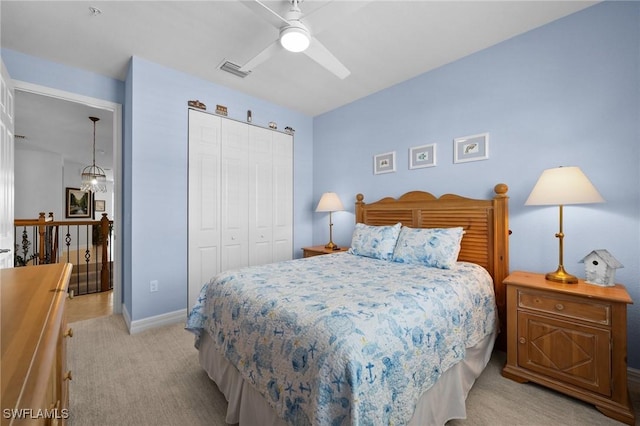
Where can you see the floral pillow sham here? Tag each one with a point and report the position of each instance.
(434, 247)
(377, 242)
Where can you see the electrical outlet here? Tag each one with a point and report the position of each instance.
(153, 286)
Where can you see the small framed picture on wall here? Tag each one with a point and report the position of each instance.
(384, 163)
(471, 148)
(99, 205)
(422, 156)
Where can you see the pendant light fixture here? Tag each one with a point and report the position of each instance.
(93, 177)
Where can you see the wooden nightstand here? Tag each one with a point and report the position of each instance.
(318, 250)
(571, 338)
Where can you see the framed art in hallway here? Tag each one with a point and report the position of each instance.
(384, 163)
(471, 148)
(78, 204)
(98, 205)
(422, 156)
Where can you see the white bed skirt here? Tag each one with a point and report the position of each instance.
(442, 402)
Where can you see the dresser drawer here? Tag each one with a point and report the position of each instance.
(566, 306)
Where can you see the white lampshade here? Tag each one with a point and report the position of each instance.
(295, 37)
(562, 186)
(329, 202)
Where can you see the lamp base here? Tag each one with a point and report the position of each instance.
(561, 276)
(331, 246)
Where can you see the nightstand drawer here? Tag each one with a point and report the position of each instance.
(576, 308)
(320, 250)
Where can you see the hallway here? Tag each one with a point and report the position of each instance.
(89, 306)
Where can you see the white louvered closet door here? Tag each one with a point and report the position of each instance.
(282, 197)
(234, 192)
(204, 201)
(260, 196)
(270, 196)
(240, 197)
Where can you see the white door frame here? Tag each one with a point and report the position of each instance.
(7, 149)
(116, 110)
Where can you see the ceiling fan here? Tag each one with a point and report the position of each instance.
(295, 36)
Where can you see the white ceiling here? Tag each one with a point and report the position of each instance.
(382, 43)
(45, 123)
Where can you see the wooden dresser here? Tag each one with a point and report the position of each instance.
(35, 379)
(571, 338)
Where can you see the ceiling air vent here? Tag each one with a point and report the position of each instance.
(234, 69)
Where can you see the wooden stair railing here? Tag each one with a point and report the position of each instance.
(44, 224)
(48, 241)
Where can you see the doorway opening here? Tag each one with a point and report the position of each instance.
(34, 105)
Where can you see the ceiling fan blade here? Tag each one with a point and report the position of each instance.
(266, 13)
(321, 55)
(268, 52)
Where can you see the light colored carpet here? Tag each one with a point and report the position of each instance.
(495, 400)
(149, 378)
(153, 378)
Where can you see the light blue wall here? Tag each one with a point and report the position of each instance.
(157, 147)
(567, 93)
(126, 214)
(50, 74)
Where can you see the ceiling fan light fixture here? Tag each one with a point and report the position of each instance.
(295, 37)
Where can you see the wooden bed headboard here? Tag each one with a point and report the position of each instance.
(486, 225)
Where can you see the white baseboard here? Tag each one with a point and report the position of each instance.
(152, 322)
(126, 317)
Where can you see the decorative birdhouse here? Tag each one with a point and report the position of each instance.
(600, 268)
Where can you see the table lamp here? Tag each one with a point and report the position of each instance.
(330, 202)
(561, 186)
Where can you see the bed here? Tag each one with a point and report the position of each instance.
(382, 334)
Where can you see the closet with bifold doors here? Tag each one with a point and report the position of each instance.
(240, 197)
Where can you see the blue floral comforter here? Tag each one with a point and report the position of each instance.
(344, 339)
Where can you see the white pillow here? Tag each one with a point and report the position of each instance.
(434, 247)
(375, 241)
